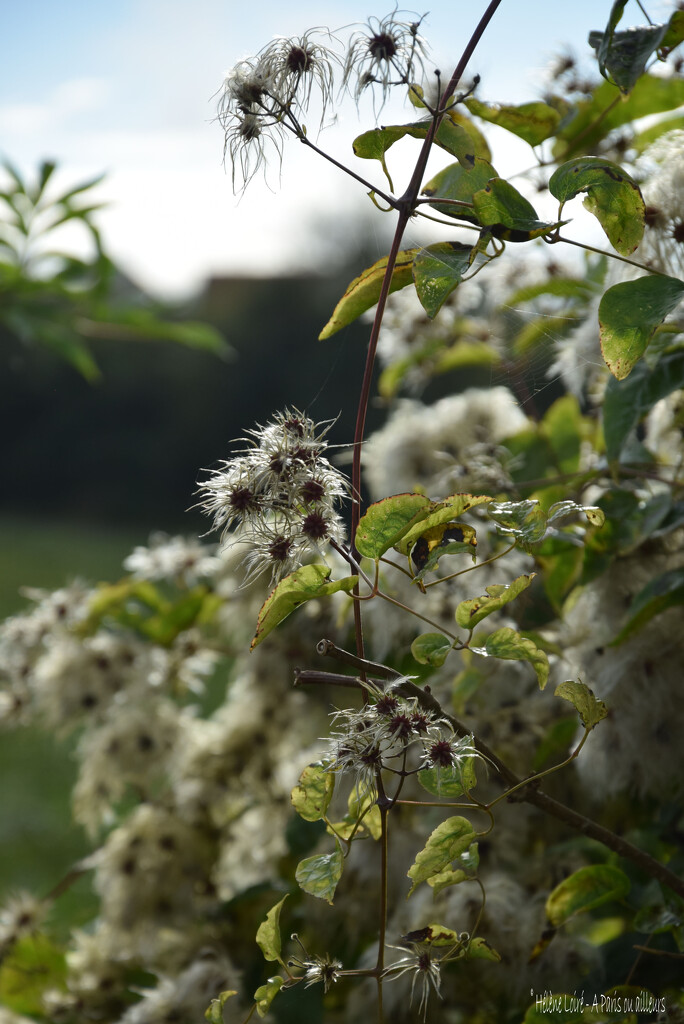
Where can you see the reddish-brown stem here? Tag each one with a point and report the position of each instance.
(405, 206)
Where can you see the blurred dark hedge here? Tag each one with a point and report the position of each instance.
(129, 449)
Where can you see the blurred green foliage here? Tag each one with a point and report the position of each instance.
(51, 298)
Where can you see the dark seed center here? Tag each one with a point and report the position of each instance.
(382, 47)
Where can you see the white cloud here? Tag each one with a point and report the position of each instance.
(60, 107)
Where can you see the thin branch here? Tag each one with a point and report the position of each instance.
(553, 807)
(644, 12)
(69, 879)
(602, 252)
(308, 676)
(329, 649)
(390, 200)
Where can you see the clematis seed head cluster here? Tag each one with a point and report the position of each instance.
(266, 97)
(278, 496)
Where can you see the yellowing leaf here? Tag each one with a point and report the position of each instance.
(313, 793)
(440, 512)
(265, 994)
(445, 844)
(585, 889)
(590, 709)
(302, 585)
(364, 291)
(511, 646)
(612, 196)
(470, 612)
(387, 521)
(628, 316)
(319, 875)
(532, 122)
(431, 649)
(214, 1012)
(268, 933)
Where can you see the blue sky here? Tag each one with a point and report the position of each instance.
(126, 88)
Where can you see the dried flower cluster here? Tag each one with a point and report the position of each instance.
(268, 95)
(378, 737)
(279, 495)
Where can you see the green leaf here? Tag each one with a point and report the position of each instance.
(622, 56)
(590, 709)
(626, 402)
(319, 875)
(15, 175)
(662, 592)
(629, 520)
(362, 809)
(440, 512)
(456, 134)
(605, 111)
(585, 889)
(532, 122)
(47, 169)
(431, 649)
(302, 585)
(214, 1012)
(564, 287)
(466, 353)
(511, 646)
(447, 539)
(189, 333)
(565, 429)
(175, 617)
(476, 147)
(437, 270)
(364, 291)
(542, 331)
(268, 933)
(469, 861)
(507, 214)
(449, 782)
(445, 844)
(434, 358)
(612, 196)
(365, 806)
(265, 994)
(524, 520)
(84, 186)
(62, 340)
(663, 913)
(440, 935)
(387, 521)
(474, 610)
(629, 314)
(312, 795)
(562, 563)
(32, 965)
(127, 601)
(563, 509)
(675, 31)
(445, 879)
(529, 524)
(459, 184)
(146, 325)
(642, 140)
(479, 949)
